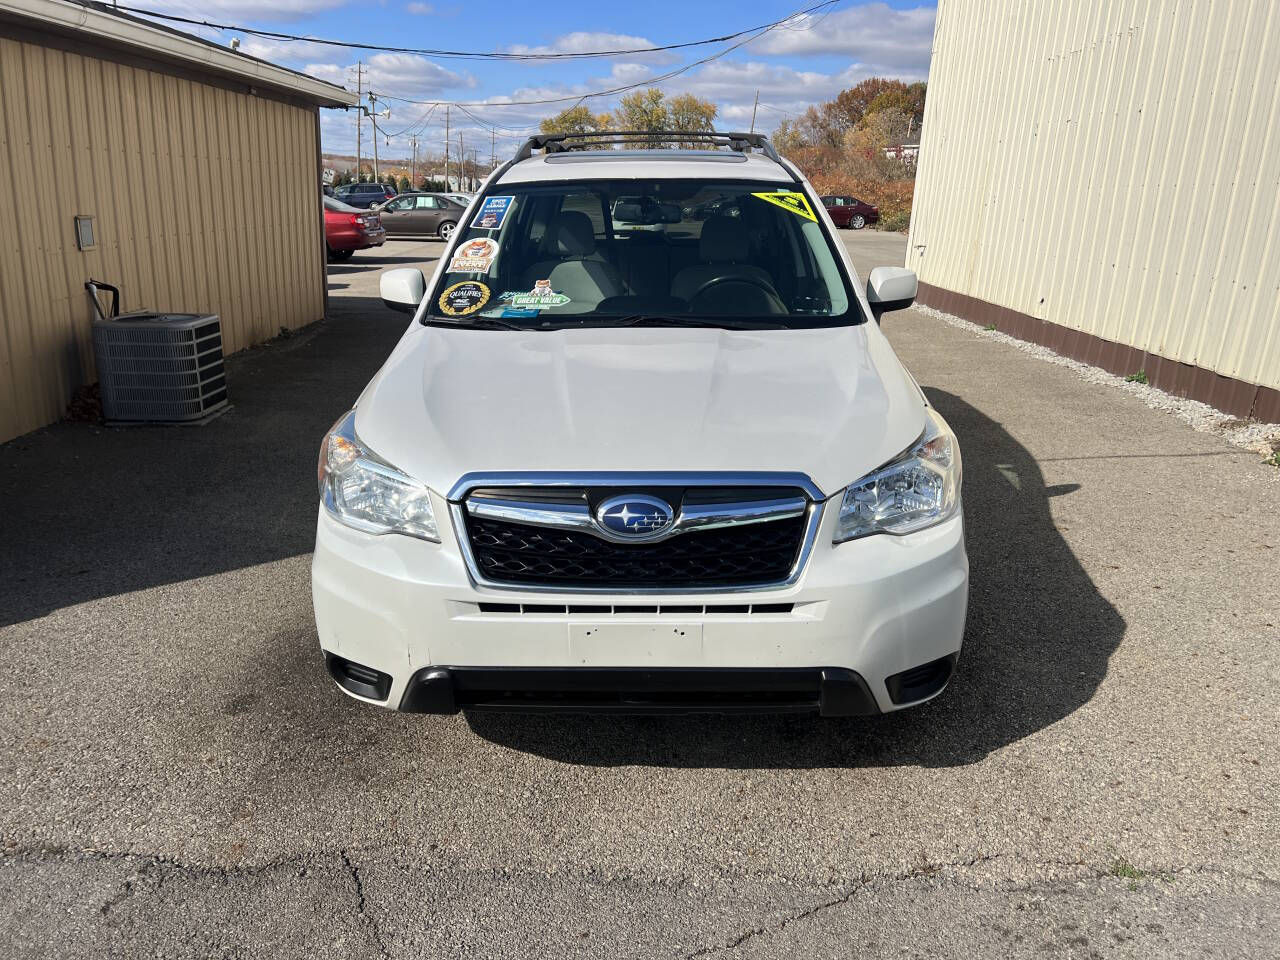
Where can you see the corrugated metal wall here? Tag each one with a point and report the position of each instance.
(204, 200)
(1112, 166)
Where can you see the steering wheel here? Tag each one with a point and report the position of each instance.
(764, 286)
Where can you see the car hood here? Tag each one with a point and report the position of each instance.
(832, 403)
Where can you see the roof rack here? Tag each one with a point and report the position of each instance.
(559, 142)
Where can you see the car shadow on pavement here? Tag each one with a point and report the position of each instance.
(1037, 643)
(95, 512)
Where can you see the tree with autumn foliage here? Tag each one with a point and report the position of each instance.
(577, 119)
(692, 114)
(843, 145)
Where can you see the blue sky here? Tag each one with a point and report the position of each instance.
(808, 61)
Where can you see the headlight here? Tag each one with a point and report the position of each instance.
(364, 492)
(917, 490)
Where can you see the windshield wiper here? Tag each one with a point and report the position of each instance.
(661, 320)
(492, 323)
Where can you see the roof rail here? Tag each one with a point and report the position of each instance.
(558, 142)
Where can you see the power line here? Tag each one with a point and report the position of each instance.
(648, 82)
(474, 55)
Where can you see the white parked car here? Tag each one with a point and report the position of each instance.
(643, 447)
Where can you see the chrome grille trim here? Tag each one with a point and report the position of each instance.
(573, 516)
(709, 515)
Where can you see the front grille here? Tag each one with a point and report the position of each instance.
(518, 554)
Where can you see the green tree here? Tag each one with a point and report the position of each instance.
(692, 114)
(403, 186)
(643, 110)
(577, 119)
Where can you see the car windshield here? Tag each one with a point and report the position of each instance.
(621, 252)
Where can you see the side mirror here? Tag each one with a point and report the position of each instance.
(891, 288)
(403, 289)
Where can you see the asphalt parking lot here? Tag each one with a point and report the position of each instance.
(181, 779)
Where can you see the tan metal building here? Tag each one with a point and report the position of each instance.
(200, 169)
(1103, 177)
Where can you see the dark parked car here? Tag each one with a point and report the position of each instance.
(364, 194)
(850, 211)
(422, 215)
(348, 229)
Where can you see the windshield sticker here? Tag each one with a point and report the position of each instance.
(540, 296)
(795, 202)
(464, 298)
(492, 212)
(474, 256)
(513, 312)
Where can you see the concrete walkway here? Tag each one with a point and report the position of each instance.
(178, 777)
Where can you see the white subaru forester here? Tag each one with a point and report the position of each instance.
(643, 448)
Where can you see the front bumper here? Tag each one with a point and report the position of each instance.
(877, 608)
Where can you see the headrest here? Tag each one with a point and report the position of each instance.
(570, 234)
(723, 241)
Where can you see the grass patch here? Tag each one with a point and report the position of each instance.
(1139, 377)
(1120, 867)
(989, 327)
(1273, 460)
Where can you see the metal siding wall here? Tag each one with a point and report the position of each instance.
(1112, 166)
(204, 200)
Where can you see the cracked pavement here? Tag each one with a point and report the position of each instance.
(180, 778)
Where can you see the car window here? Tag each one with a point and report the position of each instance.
(428, 203)
(626, 250)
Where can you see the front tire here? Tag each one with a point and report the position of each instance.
(338, 256)
(446, 230)
(858, 221)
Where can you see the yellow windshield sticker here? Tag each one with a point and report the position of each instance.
(795, 202)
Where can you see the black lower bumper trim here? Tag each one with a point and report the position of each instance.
(357, 678)
(830, 691)
(921, 682)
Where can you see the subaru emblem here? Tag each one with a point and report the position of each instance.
(635, 517)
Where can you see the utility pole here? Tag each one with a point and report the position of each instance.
(413, 164)
(446, 147)
(462, 162)
(754, 107)
(359, 112)
(373, 119)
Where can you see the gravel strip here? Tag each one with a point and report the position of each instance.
(1261, 438)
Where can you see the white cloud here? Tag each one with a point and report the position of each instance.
(241, 11)
(872, 33)
(420, 9)
(581, 41)
(279, 51)
(398, 74)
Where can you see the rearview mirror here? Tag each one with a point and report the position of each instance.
(403, 289)
(891, 288)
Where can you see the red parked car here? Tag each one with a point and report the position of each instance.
(348, 229)
(850, 211)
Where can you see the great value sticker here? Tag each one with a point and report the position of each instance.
(492, 212)
(540, 296)
(474, 256)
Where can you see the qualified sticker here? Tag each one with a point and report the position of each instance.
(463, 298)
